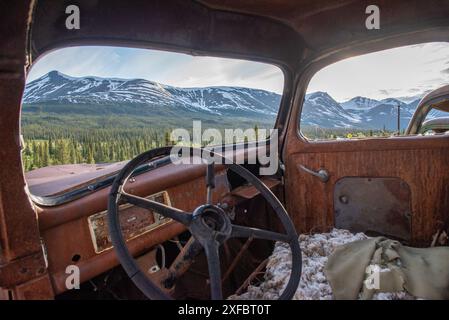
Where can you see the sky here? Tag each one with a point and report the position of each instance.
(400, 72)
(168, 68)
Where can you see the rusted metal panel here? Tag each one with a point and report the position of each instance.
(21, 256)
(250, 192)
(158, 274)
(376, 205)
(37, 289)
(22, 270)
(4, 294)
(185, 184)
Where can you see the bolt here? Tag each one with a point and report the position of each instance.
(344, 199)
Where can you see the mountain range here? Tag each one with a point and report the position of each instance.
(358, 112)
(143, 97)
(59, 93)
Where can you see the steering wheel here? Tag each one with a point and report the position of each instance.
(209, 225)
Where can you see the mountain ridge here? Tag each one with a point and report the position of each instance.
(57, 92)
(56, 87)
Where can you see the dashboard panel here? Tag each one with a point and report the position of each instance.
(134, 222)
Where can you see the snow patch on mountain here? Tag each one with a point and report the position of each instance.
(319, 108)
(359, 103)
(56, 87)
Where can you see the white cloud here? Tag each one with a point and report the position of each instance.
(169, 68)
(390, 73)
(399, 72)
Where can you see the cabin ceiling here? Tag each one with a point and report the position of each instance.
(279, 31)
(322, 23)
(287, 11)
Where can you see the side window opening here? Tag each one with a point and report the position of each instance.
(373, 95)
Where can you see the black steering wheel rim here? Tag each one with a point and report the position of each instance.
(131, 267)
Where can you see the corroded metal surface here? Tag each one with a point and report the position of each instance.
(19, 233)
(378, 205)
(311, 30)
(22, 270)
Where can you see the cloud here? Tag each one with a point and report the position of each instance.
(377, 75)
(384, 92)
(389, 92)
(387, 73)
(169, 68)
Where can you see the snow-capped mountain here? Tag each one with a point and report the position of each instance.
(57, 88)
(359, 103)
(59, 93)
(321, 110)
(358, 112)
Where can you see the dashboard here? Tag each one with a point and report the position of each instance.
(77, 233)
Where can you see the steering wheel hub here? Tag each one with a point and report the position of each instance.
(210, 222)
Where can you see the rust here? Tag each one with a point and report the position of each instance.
(249, 192)
(299, 36)
(22, 270)
(379, 204)
(251, 277)
(185, 258)
(236, 260)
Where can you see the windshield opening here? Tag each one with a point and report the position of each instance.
(88, 110)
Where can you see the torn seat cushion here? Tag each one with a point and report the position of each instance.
(316, 248)
(373, 265)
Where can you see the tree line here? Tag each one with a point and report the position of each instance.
(55, 145)
(45, 147)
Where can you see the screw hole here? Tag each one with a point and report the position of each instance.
(76, 258)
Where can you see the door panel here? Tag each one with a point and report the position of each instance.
(379, 205)
(421, 162)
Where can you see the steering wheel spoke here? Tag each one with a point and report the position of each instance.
(210, 181)
(166, 211)
(249, 232)
(211, 249)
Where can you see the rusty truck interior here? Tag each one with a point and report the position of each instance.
(118, 219)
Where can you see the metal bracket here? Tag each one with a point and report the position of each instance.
(22, 270)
